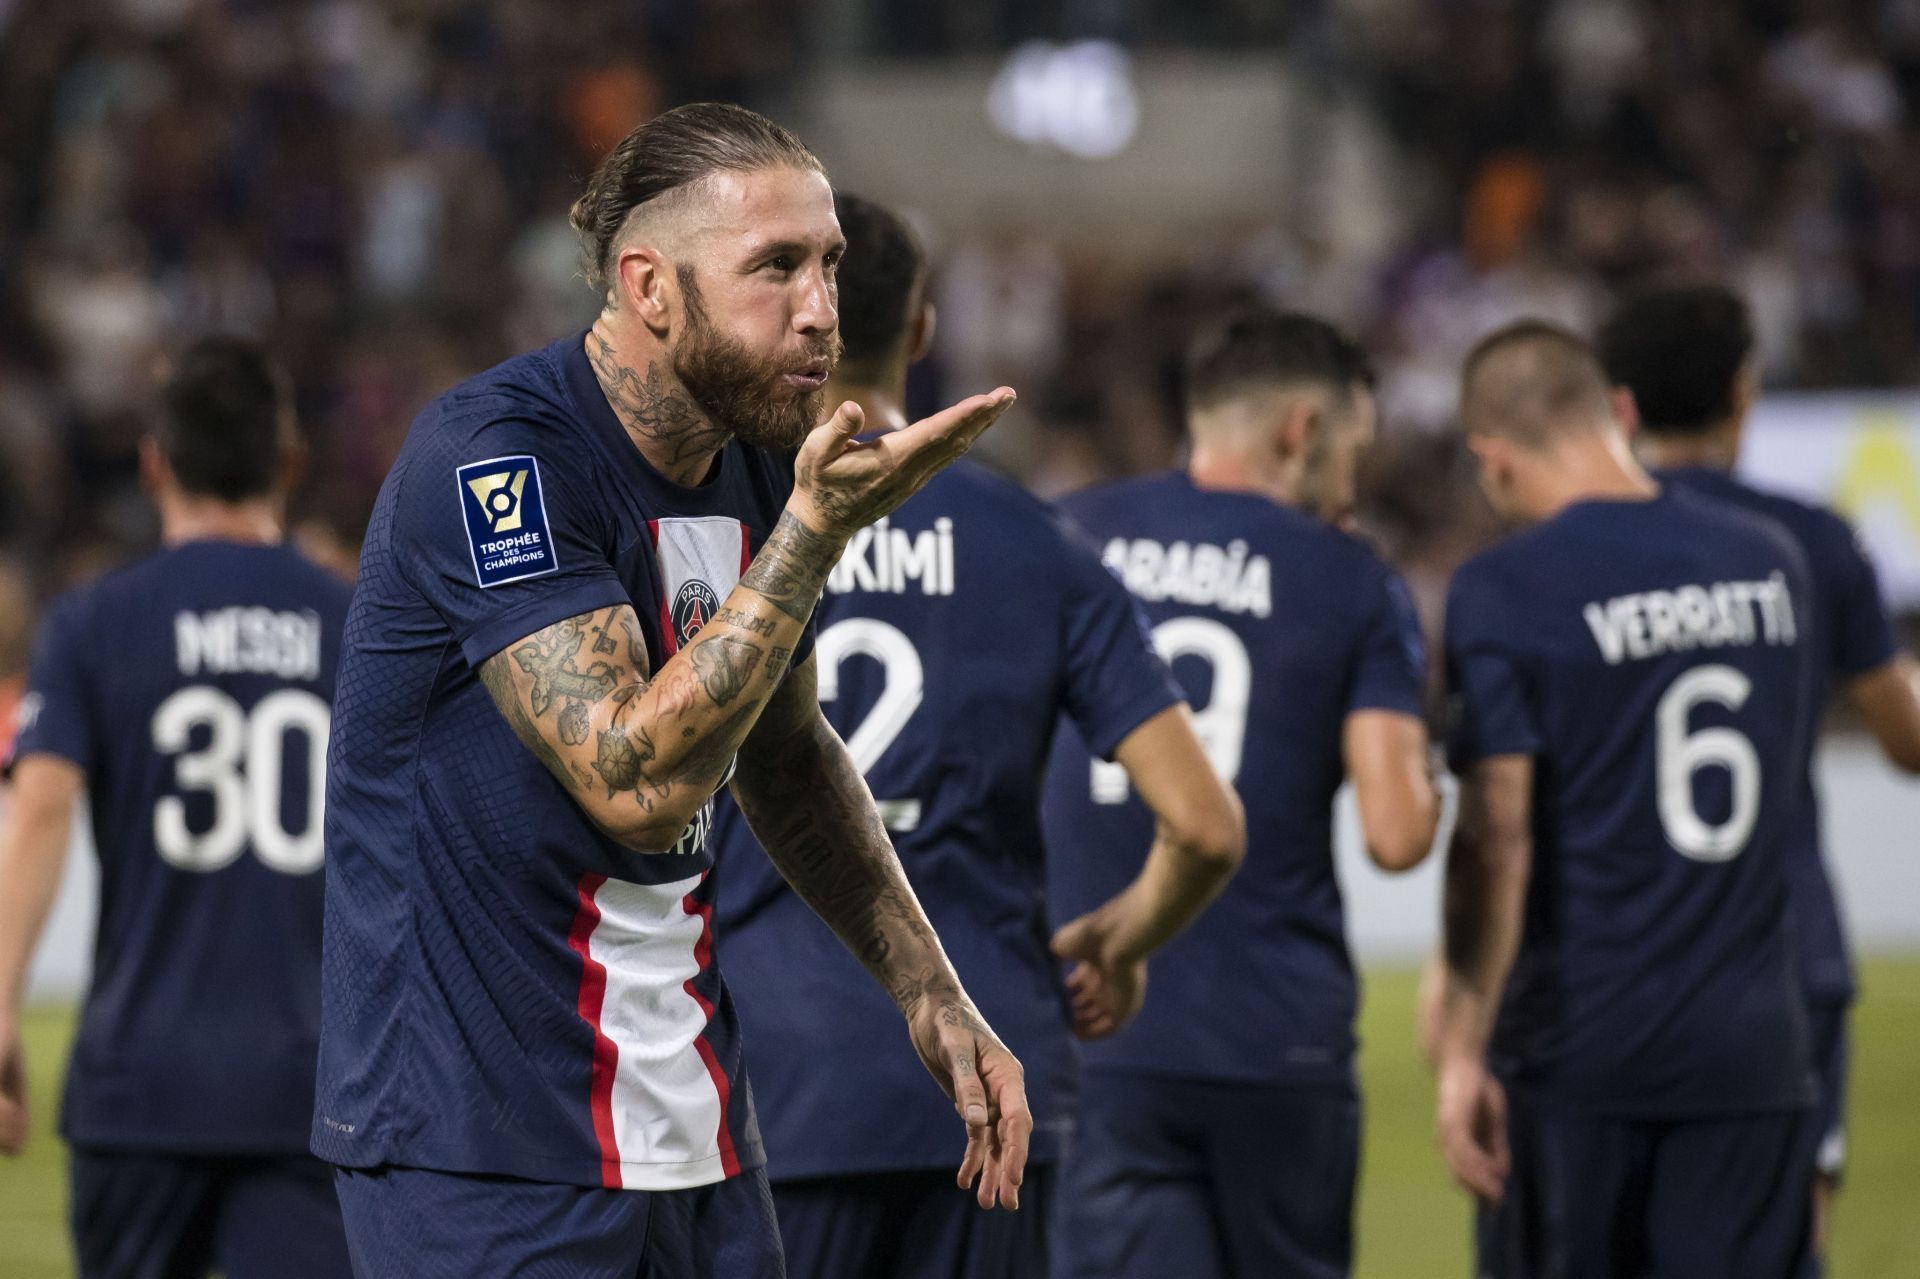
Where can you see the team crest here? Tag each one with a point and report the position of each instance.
(692, 607)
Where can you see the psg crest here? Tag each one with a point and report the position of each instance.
(694, 604)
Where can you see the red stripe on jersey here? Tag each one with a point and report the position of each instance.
(606, 1054)
(703, 956)
(669, 642)
(746, 549)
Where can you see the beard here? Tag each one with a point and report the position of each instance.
(744, 392)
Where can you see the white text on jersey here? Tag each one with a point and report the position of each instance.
(1201, 573)
(883, 558)
(240, 640)
(1720, 615)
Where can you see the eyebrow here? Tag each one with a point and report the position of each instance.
(795, 248)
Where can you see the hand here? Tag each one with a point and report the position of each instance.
(841, 484)
(988, 1088)
(13, 1088)
(1106, 986)
(1472, 1127)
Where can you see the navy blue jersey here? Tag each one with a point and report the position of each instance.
(1652, 658)
(506, 989)
(1278, 627)
(952, 637)
(1849, 634)
(194, 690)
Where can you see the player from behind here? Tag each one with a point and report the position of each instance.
(952, 635)
(1624, 1077)
(187, 698)
(1220, 1133)
(1686, 355)
(584, 606)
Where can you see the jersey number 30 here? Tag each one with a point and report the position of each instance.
(242, 768)
(1680, 754)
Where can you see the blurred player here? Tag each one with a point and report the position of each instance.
(1219, 1135)
(1686, 354)
(187, 698)
(1624, 1072)
(586, 587)
(951, 724)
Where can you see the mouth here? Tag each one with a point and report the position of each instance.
(810, 376)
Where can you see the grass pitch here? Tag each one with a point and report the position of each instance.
(1412, 1223)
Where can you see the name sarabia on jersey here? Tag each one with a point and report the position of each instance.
(1226, 578)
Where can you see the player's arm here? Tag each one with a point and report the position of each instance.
(1888, 699)
(1200, 838)
(1484, 910)
(812, 812)
(641, 751)
(33, 852)
(1387, 758)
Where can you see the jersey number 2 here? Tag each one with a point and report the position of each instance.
(1680, 754)
(904, 684)
(241, 767)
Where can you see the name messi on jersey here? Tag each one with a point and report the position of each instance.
(253, 641)
(1201, 573)
(883, 558)
(1720, 615)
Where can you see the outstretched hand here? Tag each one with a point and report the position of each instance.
(989, 1092)
(842, 484)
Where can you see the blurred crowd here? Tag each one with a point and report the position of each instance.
(379, 188)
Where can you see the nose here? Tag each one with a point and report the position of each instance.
(815, 312)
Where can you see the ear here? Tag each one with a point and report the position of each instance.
(1626, 411)
(644, 282)
(156, 477)
(920, 333)
(1295, 430)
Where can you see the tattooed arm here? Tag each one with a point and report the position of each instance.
(640, 751)
(813, 813)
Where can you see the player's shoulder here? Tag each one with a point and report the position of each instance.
(974, 488)
(521, 403)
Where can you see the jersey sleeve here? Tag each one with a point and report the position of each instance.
(1115, 682)
(55, 714)
(497, 528)
(1860, 634)
(1392, 659)
(1492, 707)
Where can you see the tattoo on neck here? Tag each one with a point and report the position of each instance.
(792, 567)
(658, 415)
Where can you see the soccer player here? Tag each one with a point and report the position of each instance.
(187, 697)
(583, 607)
(1219, 1134)
(1624, 1081)
(1686, 355)
(951, 722)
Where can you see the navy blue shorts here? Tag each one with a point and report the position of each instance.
(1197, 1178)
(1599, 1196)
(914, 1224)
(149, 1215)
(1832, 1054)
(413, 1223)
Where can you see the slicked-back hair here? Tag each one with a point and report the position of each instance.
(1680, 349)
(1259, 349)
(226, 415)
(1533, 381)
(883, 264)
(668, 152)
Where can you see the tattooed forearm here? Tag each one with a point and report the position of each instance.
(623, 758)
(777, 663)
(724, 664)
(792, 567)
(663, 421)
(745, 621)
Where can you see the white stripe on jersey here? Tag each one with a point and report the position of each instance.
(710, 548)
(666, 1111)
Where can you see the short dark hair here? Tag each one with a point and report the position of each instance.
(226, 418)
(1532, 380)
(883, 264)
(668, 152)
(1680, 350)
(1259, 348)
